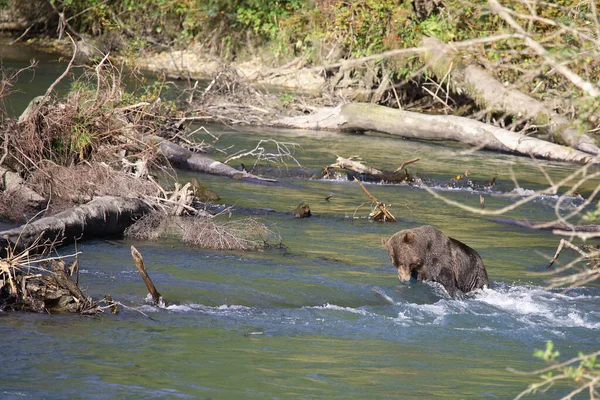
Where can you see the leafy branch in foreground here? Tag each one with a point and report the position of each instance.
(582, 371)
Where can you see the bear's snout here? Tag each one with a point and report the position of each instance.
(403, 274)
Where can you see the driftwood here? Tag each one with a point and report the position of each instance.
(370, 173)
(24, 287)
(139, 263)
(101, 217)
(360, 117)
(489, 93)
(405, 163)
(353, 165)
(186, 159)
(381, 213)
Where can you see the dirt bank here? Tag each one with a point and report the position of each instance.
(193, 63)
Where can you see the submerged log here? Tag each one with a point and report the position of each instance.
(184, 158)
(101, 217)
(491, 94)
(361, 117)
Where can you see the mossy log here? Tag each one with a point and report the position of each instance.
(186, 159)
(491, 94)
(101, 217)
(360, 117)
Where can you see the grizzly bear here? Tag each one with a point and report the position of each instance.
(427, 254)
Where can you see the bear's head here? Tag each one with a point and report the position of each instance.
(403, 253)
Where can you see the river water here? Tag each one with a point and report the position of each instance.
(326, 318)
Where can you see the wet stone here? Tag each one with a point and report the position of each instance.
(302, 211)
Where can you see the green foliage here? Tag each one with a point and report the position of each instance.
(549, 354)
(592, 216)
(582, 372)
(81, 139)
(360, 26)
(264, 17)
(287, 98)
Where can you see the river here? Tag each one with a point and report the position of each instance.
(325, 318)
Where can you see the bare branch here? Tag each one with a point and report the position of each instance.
(66, 71)
(587, 87)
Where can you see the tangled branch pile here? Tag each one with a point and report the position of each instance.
(85, 145)
(26, 284)
(207, 231)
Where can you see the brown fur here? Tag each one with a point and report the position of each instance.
(427, 254)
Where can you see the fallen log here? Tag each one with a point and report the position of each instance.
(361, 117)
(186, 159)
(369, 173)
(491, 94)
(356, 166)
(101, 217)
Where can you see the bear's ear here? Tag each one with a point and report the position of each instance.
(408, 237)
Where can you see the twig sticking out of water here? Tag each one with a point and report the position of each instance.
(405, 163)
(139, 263)
(382, 213)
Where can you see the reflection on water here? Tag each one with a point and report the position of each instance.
(327, 318)
(30, 82)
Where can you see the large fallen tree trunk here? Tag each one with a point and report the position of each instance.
(491, 94)
(360, 117)
(101, 217)
(184, 158)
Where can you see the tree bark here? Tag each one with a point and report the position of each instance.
(186, 159)
(489, 93)
(360, 117)
(101, 217)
